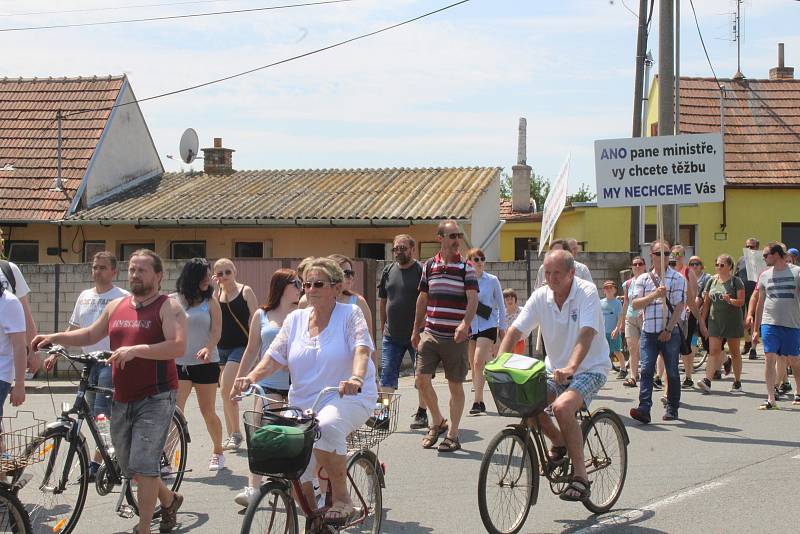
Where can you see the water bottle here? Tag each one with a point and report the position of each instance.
(104, 429)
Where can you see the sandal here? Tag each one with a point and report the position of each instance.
(433, 434)
(449, 445)
(630, 382)
(768, 406)
(556, 454)
(579, 486)
(340, 514)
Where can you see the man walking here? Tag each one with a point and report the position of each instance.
(662, 296)
(398, 291)
(749, 288)
(446, 306)
(146, 331)
(777, 316)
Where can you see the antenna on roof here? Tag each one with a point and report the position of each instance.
(189, 145)
(736, 30)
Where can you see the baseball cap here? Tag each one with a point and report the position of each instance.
(794, 252)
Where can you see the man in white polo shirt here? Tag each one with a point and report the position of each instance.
(568, 311)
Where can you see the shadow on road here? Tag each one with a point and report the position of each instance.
(623, 520)
(225, 477)
(698, 408)
(710, 427)
(406, 527)
(745, 441)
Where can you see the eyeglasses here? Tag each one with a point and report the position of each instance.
(720, 265)
(297, 283)
(638, 264)
(477, 259)
(695, 264)
(751, 247)
(399, 248)
(317, 284)
(455, 235)
(225, 273)
(349, 273)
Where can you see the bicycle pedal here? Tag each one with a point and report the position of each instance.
(125, 511)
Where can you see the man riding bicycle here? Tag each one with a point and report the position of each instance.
(568, 311)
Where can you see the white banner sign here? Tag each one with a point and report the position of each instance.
(554, 204)
(670, 169)
(754, 263)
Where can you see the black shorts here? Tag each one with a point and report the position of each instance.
(489, 333)
(204, 373)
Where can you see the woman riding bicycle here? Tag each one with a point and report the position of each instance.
(326, 344)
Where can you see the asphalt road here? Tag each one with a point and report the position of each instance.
(723, 467)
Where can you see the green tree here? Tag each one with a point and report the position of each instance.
(539, 188)
(583, 194)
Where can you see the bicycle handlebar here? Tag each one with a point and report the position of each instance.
(258, 391)
(88, 357)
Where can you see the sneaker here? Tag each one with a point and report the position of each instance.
(641, 416)
(217, 462)
(247, 495)
(767, 405)
(622, 374)
(669, 416)
(727, 365)
(753, 354)
(658, 384)
(688, 383)
(736, 387)
(705, 385)
(476, 408)
(233, 442)
(420, 420)
(169, 515)
(483, 407)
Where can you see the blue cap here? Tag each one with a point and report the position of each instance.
(794, 252)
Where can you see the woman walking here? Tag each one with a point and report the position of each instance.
(284, 294)
(198, 368)
(347, 295)
(633, 322)
(238, 302)
(723, 299)
(487, 327)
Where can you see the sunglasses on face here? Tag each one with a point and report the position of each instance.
(720, 265)
(659, 254)
(348, 273)
(477, 259)
(399, 248)
(455, 235)
(224, 273)
(695, 264)
(317, 284)
(751, 247)
(638, 264)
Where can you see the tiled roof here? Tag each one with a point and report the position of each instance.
(262, 197)
(762, 126)
(508, 214)
(28, 140)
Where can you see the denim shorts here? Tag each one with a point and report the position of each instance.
(5, 388)
(139, 431)
(230, 355)
(100, 402)
(780, 340)
(587, 384)
(614, 344)
(392, 353)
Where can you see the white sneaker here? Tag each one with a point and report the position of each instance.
(217, 462)
(233, 442)
(247, 495)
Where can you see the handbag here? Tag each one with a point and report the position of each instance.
(686, 346)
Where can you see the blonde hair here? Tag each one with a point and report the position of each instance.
(328, 266)
(225, 261)
(301, 267)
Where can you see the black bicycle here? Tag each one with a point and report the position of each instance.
(58, 461)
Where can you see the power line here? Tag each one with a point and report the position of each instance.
(114, 8)
(171, 17)
(276, 63)
(702, 42)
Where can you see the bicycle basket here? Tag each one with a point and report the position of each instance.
(21, 442)
(279, 444)
(378, 427)
(518, 384)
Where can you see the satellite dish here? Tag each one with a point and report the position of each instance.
(189, 145)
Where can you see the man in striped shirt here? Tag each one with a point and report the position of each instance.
(448, 298)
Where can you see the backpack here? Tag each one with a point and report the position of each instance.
(429, 264)
(12, 281)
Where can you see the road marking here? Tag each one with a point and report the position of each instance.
(796, 457)
(631, 516)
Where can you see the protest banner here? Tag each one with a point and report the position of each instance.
(754, 263)
(554, 204)
(670, 169)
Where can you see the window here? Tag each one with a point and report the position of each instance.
(90, 248)
(790, 234)
(22, 251)
(521, 243)
(126, 249)
(376, 251)
(249, 249)
(185, 250)
(428, 249)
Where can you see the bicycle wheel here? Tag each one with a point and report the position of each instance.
(366, 484)
(173, 461)
(272, 512)
(56, 492)
(605, 450)
(508, 483)
(13, 517)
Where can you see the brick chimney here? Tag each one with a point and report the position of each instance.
(521, 173)
(218, 160)
(781, 72)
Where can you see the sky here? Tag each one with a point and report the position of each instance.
(447, 90)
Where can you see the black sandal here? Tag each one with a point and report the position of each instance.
(556, 454)
(579, 486)
(449, 444)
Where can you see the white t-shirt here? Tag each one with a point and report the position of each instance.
(19, 281)
(12, 321)
(560, 328)
(88, 308)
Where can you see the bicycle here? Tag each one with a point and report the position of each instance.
(274, 510)
(15, 441)
(60, 488)
(511, 463)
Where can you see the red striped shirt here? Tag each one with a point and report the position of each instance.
(446, 284)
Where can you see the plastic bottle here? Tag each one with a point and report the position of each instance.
(104, 429)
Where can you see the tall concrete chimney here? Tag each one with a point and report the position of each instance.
(521, 173)
(218, 160)
(781, 72)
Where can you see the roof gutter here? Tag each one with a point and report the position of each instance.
(299, 223)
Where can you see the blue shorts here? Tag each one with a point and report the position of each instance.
(614, 345)
(780, 340)
(5, 388)
(586, 384)
(230, 355)
(392, 353)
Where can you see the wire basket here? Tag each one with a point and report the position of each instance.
(379, 426)
(270, 450)
(20, 439)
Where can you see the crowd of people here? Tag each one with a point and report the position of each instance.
(447, 312)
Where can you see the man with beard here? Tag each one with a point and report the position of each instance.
(398, 290)
(147, 331)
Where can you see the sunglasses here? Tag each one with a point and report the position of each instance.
(659, 254)
(455, 235)
(225, 273)
(400, 248)
(720, 265)
(751, 247)
(297, 283)
(349, 273)
(477, 259)
(695, 264)
(638, 264)
(317, 284)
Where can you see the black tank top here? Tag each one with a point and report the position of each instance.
(232, 335)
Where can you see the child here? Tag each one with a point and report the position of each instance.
(512, 310)
(612, 309)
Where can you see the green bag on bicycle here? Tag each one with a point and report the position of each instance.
(518, 384)
(278, 441)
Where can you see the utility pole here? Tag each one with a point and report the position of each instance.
(666, 98)
(641, 47)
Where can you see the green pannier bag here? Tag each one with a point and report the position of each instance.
(518, 384)
(278, 441)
